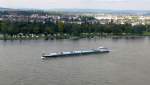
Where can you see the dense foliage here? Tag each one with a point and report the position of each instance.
(15, 28)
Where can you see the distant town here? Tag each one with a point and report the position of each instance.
(68, 17)
(16, 24)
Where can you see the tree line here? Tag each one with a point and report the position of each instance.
(15, 28)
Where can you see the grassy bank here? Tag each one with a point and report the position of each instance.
(146, 33)
(65, 36)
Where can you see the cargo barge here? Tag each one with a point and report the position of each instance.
(79, 52)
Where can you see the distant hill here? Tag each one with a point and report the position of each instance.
(28, 12)
(94, 11)
(5, 9)
(115, 12)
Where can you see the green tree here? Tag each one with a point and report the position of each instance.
(61, 27)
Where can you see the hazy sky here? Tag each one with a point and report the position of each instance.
(84, 4)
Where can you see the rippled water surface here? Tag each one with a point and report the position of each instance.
(127, 64)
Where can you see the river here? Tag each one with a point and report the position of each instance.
(127, 64)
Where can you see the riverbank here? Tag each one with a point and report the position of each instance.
(66, 36)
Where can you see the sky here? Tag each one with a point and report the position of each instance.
(79, 4)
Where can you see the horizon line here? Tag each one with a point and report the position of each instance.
(45, 9)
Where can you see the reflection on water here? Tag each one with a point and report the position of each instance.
(127, 64)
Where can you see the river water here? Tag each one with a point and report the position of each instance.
(127, 64)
